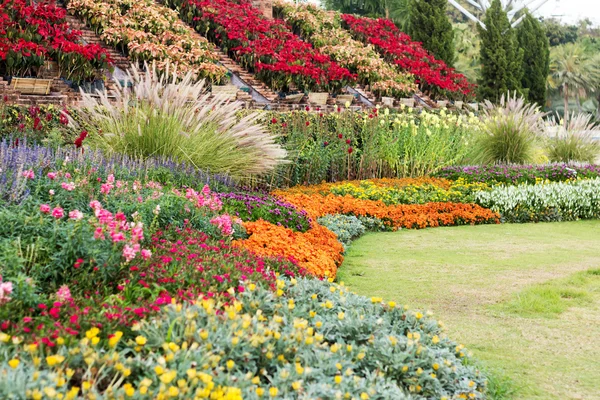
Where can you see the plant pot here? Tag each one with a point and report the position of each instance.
(344, 98)
(442, 103)
(474, 106)
(408, 101)
(458, 105)
(293, 98)
(387, 101)
(319, 98)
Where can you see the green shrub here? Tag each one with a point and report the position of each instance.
(561, 201)
(314, 340)
(511, 132)
(173, 117)
(573, 140)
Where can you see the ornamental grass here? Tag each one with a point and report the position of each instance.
(166, 115)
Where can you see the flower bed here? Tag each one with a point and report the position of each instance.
(149, 32)
(514, 174)
(32, 33)
(556, 201)
(397, 47)
(309, 339)
(267, 47)
(324, 30)
(323, 200)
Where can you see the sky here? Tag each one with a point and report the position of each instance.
(572, 10)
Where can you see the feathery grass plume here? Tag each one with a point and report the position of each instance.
(573, 140)
(167, 115)
(511, 131)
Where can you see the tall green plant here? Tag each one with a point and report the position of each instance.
(511, 131)
(501, 58)
(170, 116)
(431, 26)
(536, 58)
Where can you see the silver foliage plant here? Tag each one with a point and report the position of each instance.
(164, 114)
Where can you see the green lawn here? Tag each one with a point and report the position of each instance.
(525, 299)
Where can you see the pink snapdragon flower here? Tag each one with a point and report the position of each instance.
(51, 175)
(58, 213)
(63, 294)
(45, 208)
(224, 223)
(70, 186)
(29, 174)
(76, 215)
(6, 289)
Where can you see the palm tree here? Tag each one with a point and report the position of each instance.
(573, 72)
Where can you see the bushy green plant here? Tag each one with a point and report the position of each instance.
(313, 340)
(559, 201)
(573, 140)
(346, 227)
(170, 116)
(510, 132)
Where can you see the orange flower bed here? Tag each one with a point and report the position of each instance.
(396, 216)
(317, 250)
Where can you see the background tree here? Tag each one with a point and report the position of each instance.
(574, 72)
(396, 10)
(430, 25)
(536, 58)
(558, 33)
(501, 57)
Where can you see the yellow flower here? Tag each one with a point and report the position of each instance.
(14, 363)
(140, 340)
(273, 391)
(296, 385)
(230, 364)
(435, 339)
(53, 360)
(341, 315)
(338, 379)
(260, 391)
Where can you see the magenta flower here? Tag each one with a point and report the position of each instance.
(45, 208)
(76, 215)
(58, 213)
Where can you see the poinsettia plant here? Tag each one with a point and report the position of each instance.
(152, 33)
(33, 32)
(324, 30)
(266, 47)
(398, 48)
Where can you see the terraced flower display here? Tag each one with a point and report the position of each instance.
(264, 46)
(32, 33)
(150, 32)
(397, 48)
(324, 30)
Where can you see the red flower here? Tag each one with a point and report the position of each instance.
(350, 150)
(348, 141)
(79, 141)
(340, 136)
(273, 121)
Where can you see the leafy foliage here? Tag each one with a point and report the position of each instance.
(574, 140)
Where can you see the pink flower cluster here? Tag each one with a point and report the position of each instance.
(6, 289)
(224, 223)
(205, 198)
(117, 228)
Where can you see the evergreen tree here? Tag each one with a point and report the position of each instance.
(501, 57)
(430, 25)
(536, 58)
